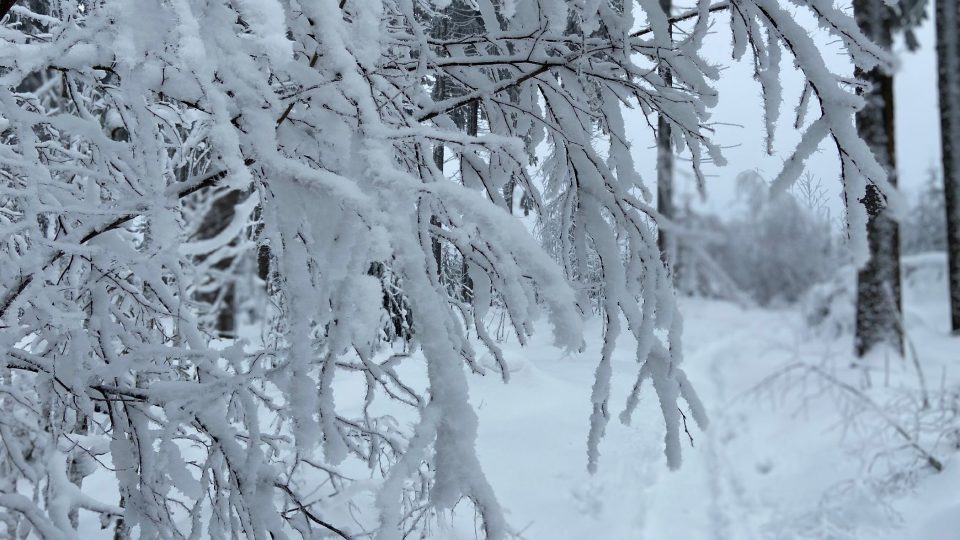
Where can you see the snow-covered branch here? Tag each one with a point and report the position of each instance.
(290, 162)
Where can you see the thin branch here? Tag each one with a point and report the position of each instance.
(184, 191)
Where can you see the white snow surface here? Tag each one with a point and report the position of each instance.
(770, 466)
(786, 456)
(781, 459)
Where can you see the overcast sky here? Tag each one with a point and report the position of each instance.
(741, 132)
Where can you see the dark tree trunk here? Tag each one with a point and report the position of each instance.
(508, 190)
(878, 282)
(120, 530)
(459, 19)
(6, 6)
(220, 215)
(440, 92)
(948, 69)
(466, 286)
(665, 207)
(78, 467)
(435, 246)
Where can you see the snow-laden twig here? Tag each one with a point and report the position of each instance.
(165, 167)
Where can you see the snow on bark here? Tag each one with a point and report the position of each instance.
(878, 318)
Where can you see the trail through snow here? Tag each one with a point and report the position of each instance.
(697, 498)
(531, 445)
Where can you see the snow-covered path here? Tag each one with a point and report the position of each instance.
(694, 500)
(634, 495)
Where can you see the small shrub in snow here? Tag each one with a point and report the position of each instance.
(829, 307)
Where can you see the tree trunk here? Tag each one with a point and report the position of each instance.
(440, 92)
(948, 69)
(120, 530)
(217, 219)
(78, 467)
(665, 207)
(6, 6)
(878, 282)
(466, 286)
(435, 246)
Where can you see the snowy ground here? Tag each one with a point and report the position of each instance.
(787, 456)
(790, 456)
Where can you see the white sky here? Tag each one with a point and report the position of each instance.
(742, 134)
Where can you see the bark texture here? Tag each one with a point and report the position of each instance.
(665, 207)
(948, 70)
(878, 282)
